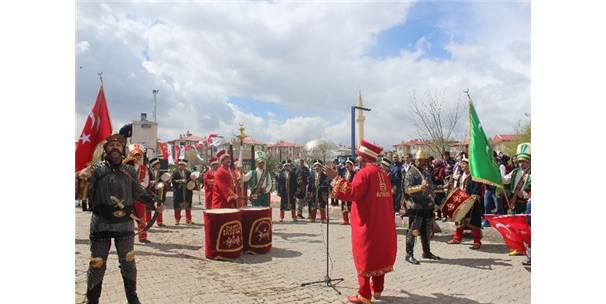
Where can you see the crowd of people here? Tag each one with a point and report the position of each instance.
(370, 190)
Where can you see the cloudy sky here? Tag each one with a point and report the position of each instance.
(291, 71)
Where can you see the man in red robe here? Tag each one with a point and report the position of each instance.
(373, 231)
(209, 180)
(224, 194)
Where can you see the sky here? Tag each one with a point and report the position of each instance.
(292, 70)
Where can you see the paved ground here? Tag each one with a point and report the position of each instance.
(173, 269)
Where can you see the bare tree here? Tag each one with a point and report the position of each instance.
(434, 120)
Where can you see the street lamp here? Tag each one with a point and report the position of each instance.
(155, 92)
(353, 129)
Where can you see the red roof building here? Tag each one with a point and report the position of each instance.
(284, 150)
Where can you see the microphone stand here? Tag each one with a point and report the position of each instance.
(327, 279)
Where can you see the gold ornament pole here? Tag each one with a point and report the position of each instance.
(242, 136)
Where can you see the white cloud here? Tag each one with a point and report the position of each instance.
(304, 56)
(82, 47)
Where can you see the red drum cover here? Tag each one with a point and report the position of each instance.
(454, 199)
(257, 228)
(222, 234)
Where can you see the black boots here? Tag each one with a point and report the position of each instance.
(410, 259)
(130, 288)
(93, 295)
(430, 256)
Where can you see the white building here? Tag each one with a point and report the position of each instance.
(145, 132)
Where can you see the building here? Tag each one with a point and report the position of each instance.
(499, 141)
(413, 145)
(250, 145)
(145, 132)
(284, 150)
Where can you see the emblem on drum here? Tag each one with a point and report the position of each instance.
(260, 233)
(230, 237)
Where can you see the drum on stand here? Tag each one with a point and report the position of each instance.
(222, 234)
(257, 229)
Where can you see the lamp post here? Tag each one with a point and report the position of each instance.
(353, 129)
(155, 92)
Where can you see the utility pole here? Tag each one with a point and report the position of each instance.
(155, 92)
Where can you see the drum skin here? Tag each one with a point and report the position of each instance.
(452, 202)
(257, 229)
(223, 234)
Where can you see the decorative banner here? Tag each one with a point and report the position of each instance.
(181, 153)
(97, 127)
(213, 139)
(163, 148)
(171, 160)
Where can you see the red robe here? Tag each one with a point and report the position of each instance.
(373, 230)
(224, 195)
(241, 201)
(209, 179)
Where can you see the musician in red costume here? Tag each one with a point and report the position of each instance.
(373, 231)
(224, 194)
(135, 158)
(209, 180)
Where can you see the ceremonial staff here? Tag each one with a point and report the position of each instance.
(241, 137)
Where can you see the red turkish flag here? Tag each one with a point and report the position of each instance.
(513, 228)
(96, 128)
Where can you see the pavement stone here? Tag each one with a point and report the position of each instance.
(173, 268)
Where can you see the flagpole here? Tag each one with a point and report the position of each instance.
(468, 132)
(100, 78)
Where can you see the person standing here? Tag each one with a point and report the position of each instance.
(113, 188)
(154, 170)
(182, 197)
(209, 180)
(373, 231)
(259, 182)
(418, 185)
(473, 219)
(518, 180)
(224, 194)
(302, 174)
(135, 159)
(318, 192)
(287, 188)
(348, 175)
(405, 198)
(340, 170)
(395, 174)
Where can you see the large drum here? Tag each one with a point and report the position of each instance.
(256, 228)
(458, 204)
(222, 234)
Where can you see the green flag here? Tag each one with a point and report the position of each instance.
(481, 161)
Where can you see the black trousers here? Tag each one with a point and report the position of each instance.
(421, 220)
(99, 248)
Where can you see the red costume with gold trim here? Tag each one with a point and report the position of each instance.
(209, 180)
(224, 195)
(373, 230)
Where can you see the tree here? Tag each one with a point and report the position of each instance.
(434, 120)
(523, 131)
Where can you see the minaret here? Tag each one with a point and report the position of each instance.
(360, 120)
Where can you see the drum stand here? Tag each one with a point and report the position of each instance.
(327, 279)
